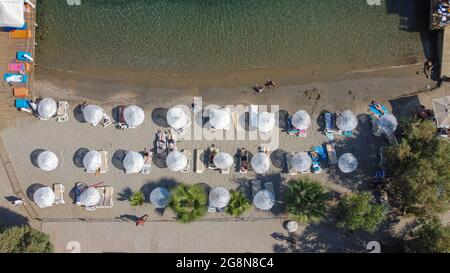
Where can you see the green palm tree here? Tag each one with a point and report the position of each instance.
(136, 199)
(189, 202)
(238, 204)
(306, 200)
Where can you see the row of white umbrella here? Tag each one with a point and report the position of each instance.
(177, 161)
(220, 118)
(219, 198)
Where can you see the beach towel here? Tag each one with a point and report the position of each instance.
(22, 103)
(321, 151)
(17, 67)
(24, 27)
(21, 56)
(15, 78)
(376, 112)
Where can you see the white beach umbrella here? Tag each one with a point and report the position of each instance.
(292, 226)
(264, 200)
(266, 122)
(301, 162)
(441, 108)
(92, 161)
(133, 162)
(219, 119)
(12, 13)
(347, 163)
(260, 162)
(133, 115)
(219, 197)
(346, 121)
(388, 124)
(160, 197)
(176, 161)
(223, 160)
(93, 114)
(301, 120)
(44, 197)
(177, 118)
(47, 108)
(47, 161)
(90, 197)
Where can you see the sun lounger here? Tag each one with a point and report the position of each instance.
(20, 34)
(329, 125)
(62, 111)
(20, 92)
(148, 155)
(121, 124)
(22, 103)
(188, 155)
(161, 142)
(106, 200)
(212, 151)
(211, 208)
(199, 164)
(316, 157)
(253, 117)
(106, 121)
(269, 186)
(243, 160)
(104, 164)
(171, 142)
(15, 78)
(331, 152)
(24, 56)
(17, 67)
(256, 187)
(58, 189)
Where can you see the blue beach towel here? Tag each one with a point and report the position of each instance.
(376, 112)
(321, 151)
(15, 78)
(24, 27)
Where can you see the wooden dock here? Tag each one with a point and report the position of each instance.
(9, 47)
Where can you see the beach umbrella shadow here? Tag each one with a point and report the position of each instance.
(34, 155)
(78, 114)
(282, 119)
(117, 159)
(79, 156)
(278, 158)
(321, 121)
(73, 190)
(159, 117)
(160, 160)
(32, 189)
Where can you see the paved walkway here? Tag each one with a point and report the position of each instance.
(164, 236)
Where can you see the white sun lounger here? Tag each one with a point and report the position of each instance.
(253, 117)
(147, 168)
(106, 120)
(188, 155)
(104, 165)
(256, 187)
(199, 164)
(106, 202)
(62, 111)
(269, 186)
(58, 189)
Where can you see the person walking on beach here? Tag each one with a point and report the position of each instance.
(269, 84)
(428, 69)
(141, 221)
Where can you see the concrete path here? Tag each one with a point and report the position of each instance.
(164, 236)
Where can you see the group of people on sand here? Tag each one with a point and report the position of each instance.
(268, 84)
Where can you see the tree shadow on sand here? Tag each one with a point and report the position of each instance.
(125, 194)
(365, 147)
(159, 117)
(9, 218)
(78, 157)
(34, 155)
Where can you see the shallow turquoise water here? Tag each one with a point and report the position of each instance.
(193, 36)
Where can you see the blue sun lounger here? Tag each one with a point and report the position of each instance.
(22, 103)
(18, 78)
(21, 56)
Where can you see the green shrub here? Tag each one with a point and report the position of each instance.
(24, 239)
(189, 202)
(238, 204)
(137, 199)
